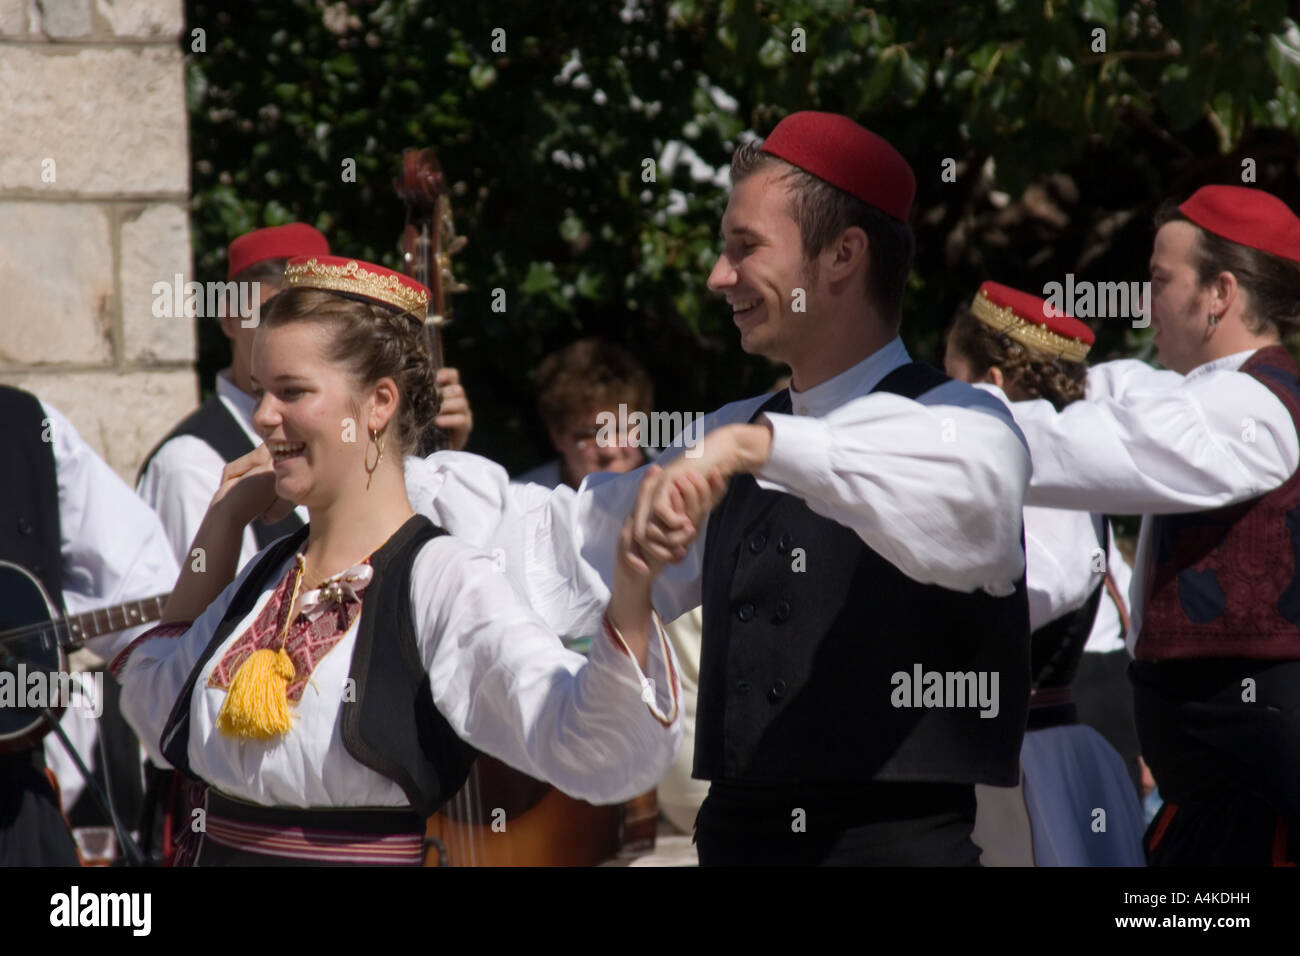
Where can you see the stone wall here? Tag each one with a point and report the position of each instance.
(94, 190)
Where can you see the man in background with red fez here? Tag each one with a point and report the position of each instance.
(867, 547)
(1207, 451)
(180, 476)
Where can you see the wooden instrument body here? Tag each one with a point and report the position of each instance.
(553, 829)
(505, 818)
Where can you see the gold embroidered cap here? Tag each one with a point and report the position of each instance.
(363, 280)
(1031, 321)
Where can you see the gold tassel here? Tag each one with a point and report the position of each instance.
(257, 704)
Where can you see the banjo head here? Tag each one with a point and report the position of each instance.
(25, 605)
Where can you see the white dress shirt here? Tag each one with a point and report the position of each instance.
(1147, 441)
(679, 795)
(935, 486)
(501, 679)
(1064, 562)
(1061, 554)
(528, 530)
(114, 551)
(186, 472)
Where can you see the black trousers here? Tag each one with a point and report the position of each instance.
(876, 824)
(1228, 766)
(32, 828)
(1221, 828)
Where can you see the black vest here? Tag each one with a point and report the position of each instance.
(30, 532)
(393, 726)
(797, 667)
(213, 423)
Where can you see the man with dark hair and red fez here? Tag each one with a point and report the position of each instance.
(1206, 450)
(180, 476)
(865, 650)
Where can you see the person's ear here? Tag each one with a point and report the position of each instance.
(1223, 293)
(383, 404)
(995, 376)
(847, 254)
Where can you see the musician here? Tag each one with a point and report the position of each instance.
(181, 474)
(356, 666)
(1207, 451)
(1009, 342)
(72, 522)
(872, 526)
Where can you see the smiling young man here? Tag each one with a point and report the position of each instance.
(871, 528)
(872, 525)
(1207, 451)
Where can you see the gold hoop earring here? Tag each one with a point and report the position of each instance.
(378, 439)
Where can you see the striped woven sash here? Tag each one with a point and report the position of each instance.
(363, 836)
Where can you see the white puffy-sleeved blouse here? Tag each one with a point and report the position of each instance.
(595, 727)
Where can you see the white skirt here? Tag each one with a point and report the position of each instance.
(1075, 805)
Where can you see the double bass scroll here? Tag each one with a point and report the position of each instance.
(428, 242)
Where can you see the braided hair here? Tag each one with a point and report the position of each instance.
(1027, 372)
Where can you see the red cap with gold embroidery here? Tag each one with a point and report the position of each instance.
(1250, 217)
(1031, 321)
(834, 148)
(277, 242)
(360, 280)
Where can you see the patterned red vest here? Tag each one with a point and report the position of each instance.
(1226, 583)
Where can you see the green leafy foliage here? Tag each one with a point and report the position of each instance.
(1062, 151)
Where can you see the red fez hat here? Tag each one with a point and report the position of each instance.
(1031, 321)
(1250, 217)
(277, 242)
(856, 160)
(359, 280)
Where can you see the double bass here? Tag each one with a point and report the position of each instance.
(500, 817)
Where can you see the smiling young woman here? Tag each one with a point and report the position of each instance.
(335, 693)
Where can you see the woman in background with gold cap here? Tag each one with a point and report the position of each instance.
(1075, 805)
(334, 694)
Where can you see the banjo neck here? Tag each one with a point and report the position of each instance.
(74, 630)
